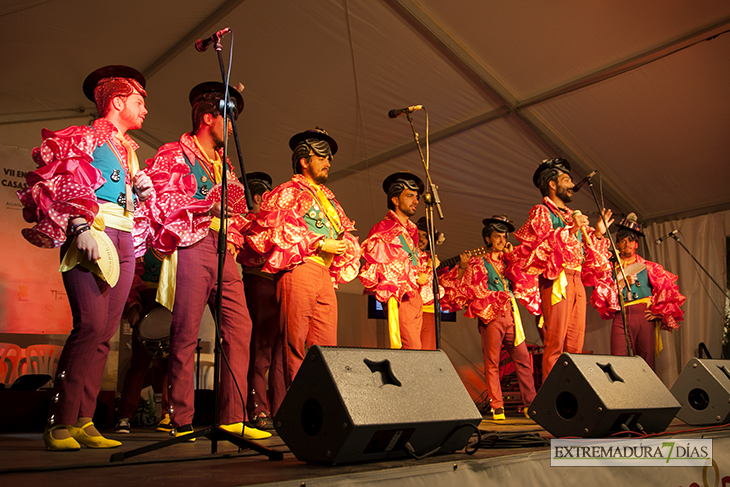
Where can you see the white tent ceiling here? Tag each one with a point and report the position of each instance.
(628, 88)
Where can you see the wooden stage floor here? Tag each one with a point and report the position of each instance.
(24, 461)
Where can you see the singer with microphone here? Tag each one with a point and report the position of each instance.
(567, 254)
(654, 302)
(186, 222)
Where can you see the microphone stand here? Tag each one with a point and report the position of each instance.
(614, 251)
(214, 432)
(701, 266)
(431, 198)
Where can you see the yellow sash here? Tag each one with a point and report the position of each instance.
(168, 280)
(394, 324)
(429, 308)
(559, 286)
(519, 331)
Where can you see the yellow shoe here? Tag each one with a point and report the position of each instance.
(165, 425)
(527, 413)
(182, 431)
(65, 444)
(498, 414)
(91, 441)
(243, 430)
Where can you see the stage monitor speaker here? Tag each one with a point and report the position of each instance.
(355, 404)
(592, 396)
(703, 390)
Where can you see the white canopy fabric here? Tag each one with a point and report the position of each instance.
(635, 90)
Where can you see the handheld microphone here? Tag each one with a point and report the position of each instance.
(395, 112)
(669, 235)
(202, 44)
(583, 230)
(583, 181)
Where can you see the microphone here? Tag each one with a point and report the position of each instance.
(202, 44)
(395, 112)
(583, 181)
(583, 230)
(669, 235)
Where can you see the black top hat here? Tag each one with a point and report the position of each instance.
(216, 87)
(546, 164)
(111, 71)
(499, 220)
(631, 224)
(315, 133)
(408, 176)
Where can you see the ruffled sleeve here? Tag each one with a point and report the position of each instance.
(525, 286)
(177, 218)
(546, 250)
(604, 298)
(63, 187)
(597, 265)
(279, 233)
(453, 298)
(387, 271)
(666, 298)
(480, 301)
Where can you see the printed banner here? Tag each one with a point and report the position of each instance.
(652, 452)
(32, 297)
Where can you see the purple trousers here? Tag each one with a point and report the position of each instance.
(495, 334)
(642, 334)
(96, 309)
(267, 347)
(197, 273)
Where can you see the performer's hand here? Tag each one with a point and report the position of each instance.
(651, 316)
(232, 249)
(579, 221)
(438, 262)
(464, 260)
(215, 210)
(600, 227)
(422, 278)
(88, 246)
(332, 246)
(143, 185)
(508, 248)
(631, 279)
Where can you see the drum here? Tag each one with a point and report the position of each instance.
(154, 331)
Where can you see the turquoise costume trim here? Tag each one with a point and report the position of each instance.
(639, 289)
(113, 190)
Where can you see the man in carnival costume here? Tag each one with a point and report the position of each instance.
(306, 238)
(396, 271)
(567, 254)
(84, 197)
(186, 219)
(652, 299)
(488, 287)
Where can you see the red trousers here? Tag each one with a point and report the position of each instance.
(197, 273)
(267, 347)
(565, 322)
(410, 318)
(642, 334)
(96, 309)
(498, 332)
(428, 332)
(308, 311)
